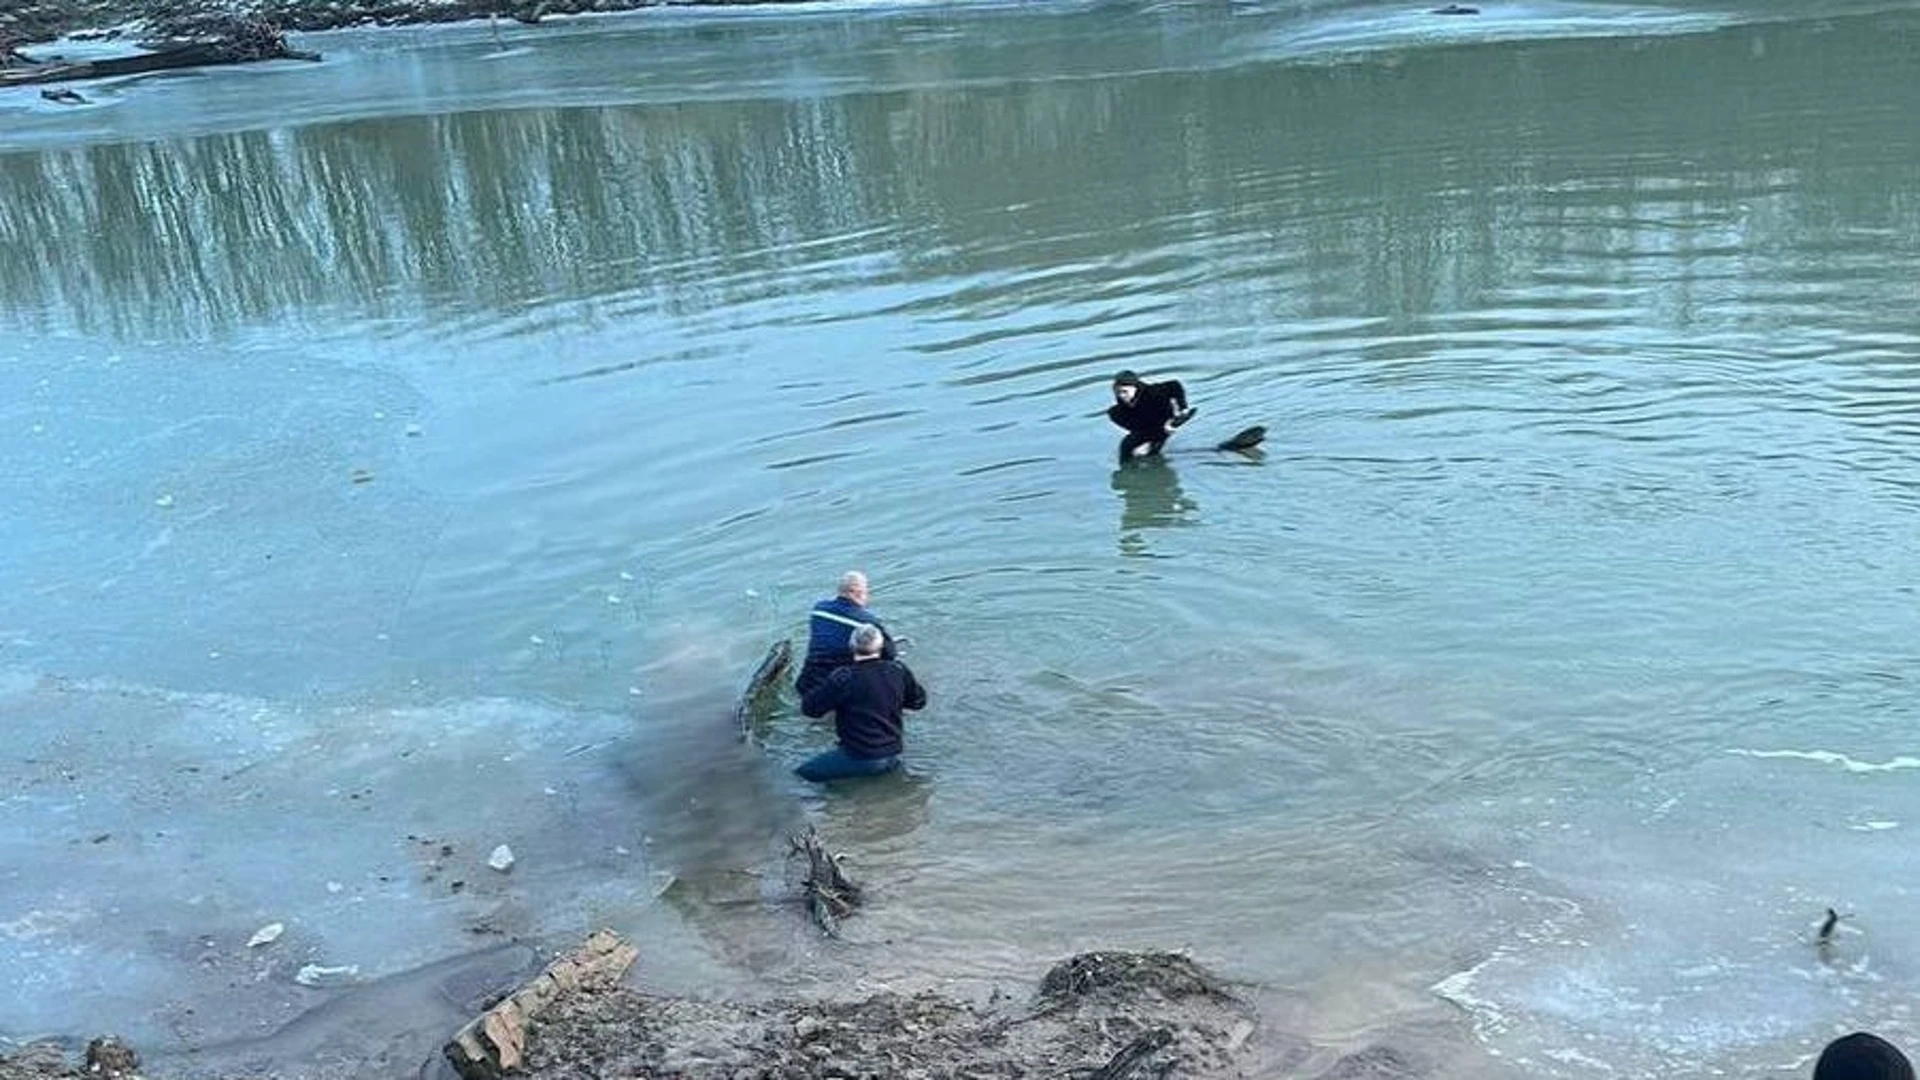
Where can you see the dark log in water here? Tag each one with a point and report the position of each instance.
(765, 677)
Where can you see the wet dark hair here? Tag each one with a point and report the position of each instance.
(1126, 378)
(1862, 1056)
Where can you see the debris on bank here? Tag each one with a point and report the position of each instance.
(181, 42)
(38, 22)
(106, 1058)
(1096, 1016)
(1103, 1015)
(494, 1044)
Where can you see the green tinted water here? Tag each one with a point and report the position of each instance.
(1587, 341)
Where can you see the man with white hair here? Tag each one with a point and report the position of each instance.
(867, 698)
(828, 626)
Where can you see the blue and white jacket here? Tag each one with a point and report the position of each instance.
(829, 625)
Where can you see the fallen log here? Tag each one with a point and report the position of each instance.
(495, 1043)
(772, 666)
(239, 44)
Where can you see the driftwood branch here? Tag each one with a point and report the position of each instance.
(830, 895)
(779, 657)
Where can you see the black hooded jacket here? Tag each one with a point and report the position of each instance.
(1153, 405)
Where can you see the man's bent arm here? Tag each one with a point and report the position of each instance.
(820, 700)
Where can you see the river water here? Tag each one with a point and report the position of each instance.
(415, 452)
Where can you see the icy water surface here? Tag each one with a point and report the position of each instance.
(415, 452)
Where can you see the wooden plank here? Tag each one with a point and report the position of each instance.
(495, 1043)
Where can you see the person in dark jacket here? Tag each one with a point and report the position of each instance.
(828, 627)
(866, 698)
(1862, 1056)
(1148, 411)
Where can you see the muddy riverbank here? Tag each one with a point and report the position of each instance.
(1104, 1014)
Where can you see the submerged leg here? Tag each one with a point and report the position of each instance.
(837, 764)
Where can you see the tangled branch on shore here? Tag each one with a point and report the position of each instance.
(1096, 974)
(830, 895)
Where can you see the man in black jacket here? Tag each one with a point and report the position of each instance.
(866, 698)
(1148, 411)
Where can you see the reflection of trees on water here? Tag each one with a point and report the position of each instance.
(1394, 187)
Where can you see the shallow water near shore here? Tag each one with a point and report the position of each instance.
(415, 452)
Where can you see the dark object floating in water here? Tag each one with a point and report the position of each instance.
(772, 666)
(1827, 926)
(1455, 9)
(1245, 440)
(64, 96)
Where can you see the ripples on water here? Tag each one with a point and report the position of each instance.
(1589, 365)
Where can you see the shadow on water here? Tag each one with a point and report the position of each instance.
(877, 813)
(386, 1027)
(720, 813)
(712, 803)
